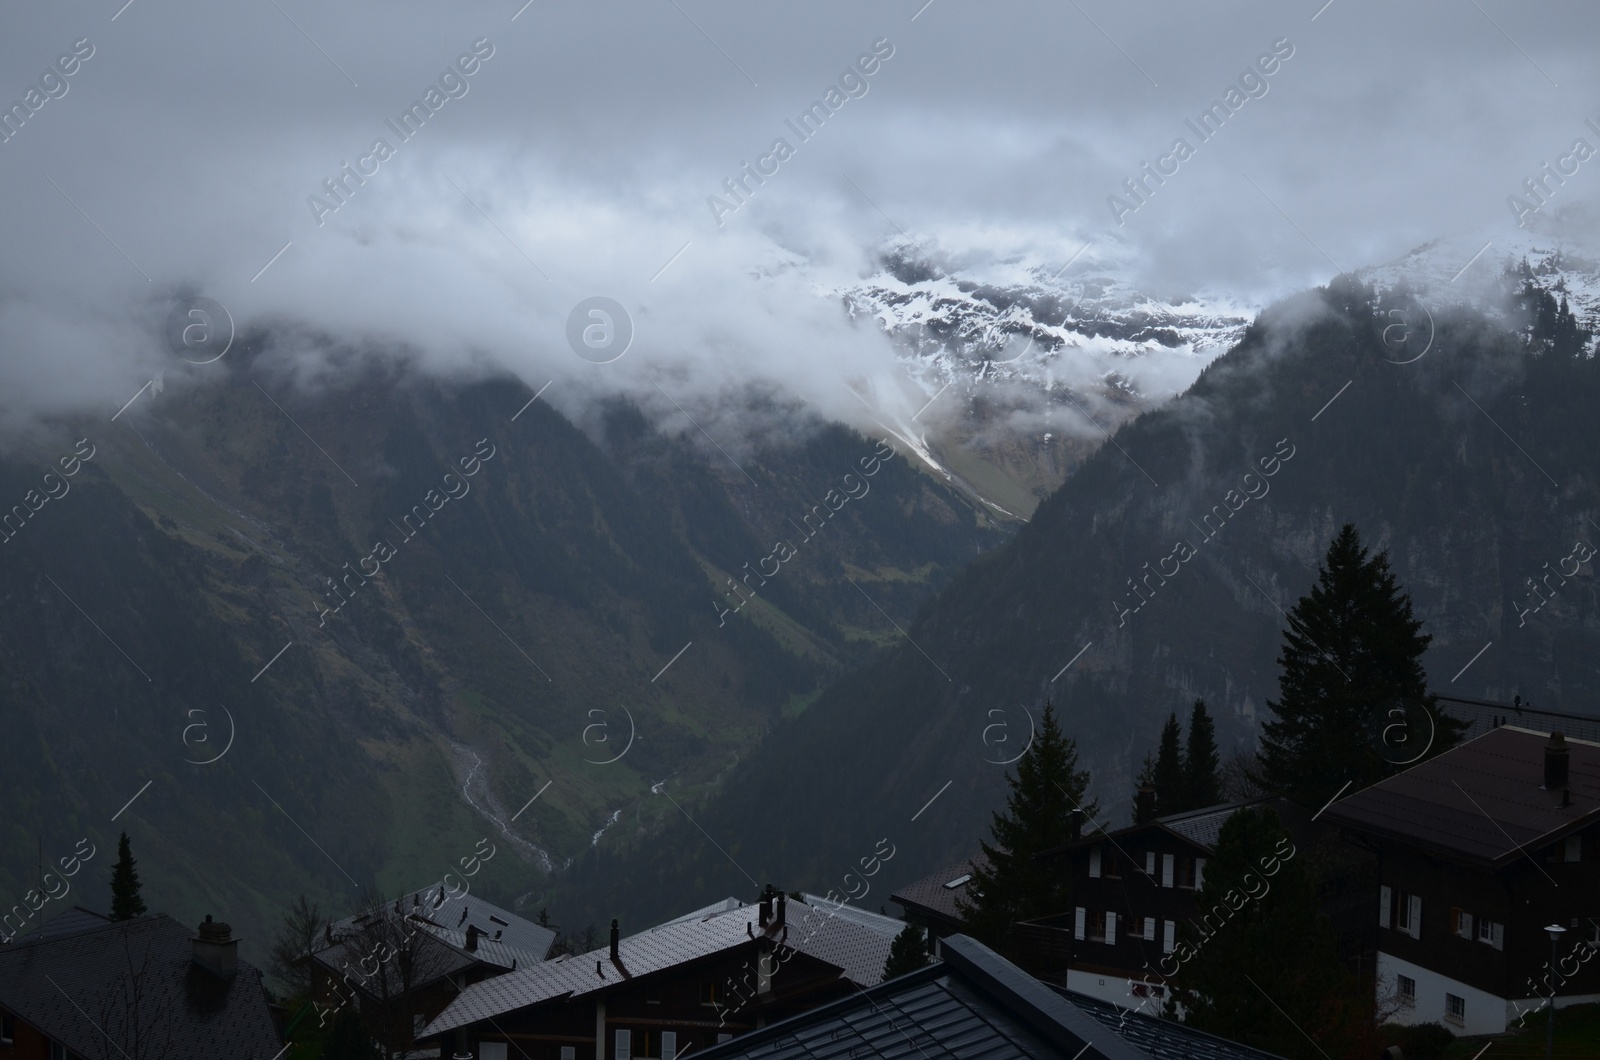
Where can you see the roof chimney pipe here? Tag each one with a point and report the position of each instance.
(472, 938)
(216, 950)
(783, 901)
(1555, 762)
(766, 906)
(616, 937)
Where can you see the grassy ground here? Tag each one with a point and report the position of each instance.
(1577, 1035)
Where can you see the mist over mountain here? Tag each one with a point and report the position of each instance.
(338, 533)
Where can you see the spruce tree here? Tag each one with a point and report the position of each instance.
(1259, 920)
(907, 953)
(1169, 775)
(1044, 809)
(125, 901)
(1202, 784)
(1145, 812)
(1351, 652)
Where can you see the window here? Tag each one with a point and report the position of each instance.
(1408, 990)
(1455, 1008)
(1112, 865)
(1461, 923)
(1491, 933)
(1150, 929)
(1574, 848)
(1407, 913)
(1184, 875)
(711, 993)
(624, 1045)
(1144, 989)
(1594, 940)
(1097, 926)
(1094, 862)
(1199, 872)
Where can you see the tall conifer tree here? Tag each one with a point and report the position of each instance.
(125, 901)
(1202, 785)
(1168, 776)
(1045, 809)
(1352, 652)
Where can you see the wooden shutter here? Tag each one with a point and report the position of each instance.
(1385, 903)
(1169, 937)
(1166, 870)
(1094, 862)
(1077, 923)
(1199, 872)
(1150, 863)
(624, 1045)
(1414, 915)
(669, 1045)
(1499, 936)
(1111, 928)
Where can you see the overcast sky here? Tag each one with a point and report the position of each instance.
(580, 160)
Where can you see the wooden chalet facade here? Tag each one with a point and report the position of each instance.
(683, 986)
(1479, 850)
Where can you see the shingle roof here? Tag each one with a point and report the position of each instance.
(973, 1006)
(1202, 826)
(69, 922)
(933, 893)
(66, 984)
(860, 952)
(1161, 1039)
(1481, 799)
(458, 912)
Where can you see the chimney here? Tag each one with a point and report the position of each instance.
(766, 907)
(1555, 762)
(615, 938)
(472, 938)
(216, 950)
(783, 901)
(1144, 804)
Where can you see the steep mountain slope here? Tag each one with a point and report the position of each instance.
(1159, 572)
(327, 638)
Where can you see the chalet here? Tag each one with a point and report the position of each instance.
(930, 903)
(975, 1003)
(400, 965)
(686, 984)
(1481, 850)
(84, 986)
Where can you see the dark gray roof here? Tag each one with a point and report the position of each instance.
(76, 988)
(70, 922)
(934, 894)
(1202, 826)
(1161, 1039)
(1482, 799)
(858, 951)
(531, 941)
(975, 1005)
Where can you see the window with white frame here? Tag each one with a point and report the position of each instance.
(1491, 933)
(1461, 923)
(1455, 1008)
(1407, 988)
